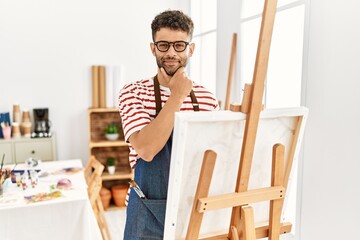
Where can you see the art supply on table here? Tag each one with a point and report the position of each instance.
(64, 183)
(137, 189)
(2, 164)
(18, 179)
(4, 175)
(25, 180)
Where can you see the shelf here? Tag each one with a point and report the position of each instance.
(106, 143)
(102, 110)
(118, 175)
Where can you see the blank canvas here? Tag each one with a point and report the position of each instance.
(222, 132)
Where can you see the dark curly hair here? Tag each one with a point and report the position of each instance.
(173, 19)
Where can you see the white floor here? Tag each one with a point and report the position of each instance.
(116, 222)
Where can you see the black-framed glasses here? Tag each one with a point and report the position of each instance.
(179, 46)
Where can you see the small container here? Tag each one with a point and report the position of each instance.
(16, 113)
(119, 193)
(16, 130)
(33, 178)
(105, 195)
(26, 128)
(25, 180)
(6, 130)
(112, 136)
(18, 179)
(26, 116)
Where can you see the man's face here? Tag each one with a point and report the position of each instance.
(171, 60)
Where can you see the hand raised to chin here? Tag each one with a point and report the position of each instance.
(179, 84)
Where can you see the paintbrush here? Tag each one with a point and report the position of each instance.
(137, 189)
(2, 164)
(13, 168)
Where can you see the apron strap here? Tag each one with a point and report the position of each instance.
(158, 97)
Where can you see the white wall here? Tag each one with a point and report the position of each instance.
(47, 48)
(331, 193)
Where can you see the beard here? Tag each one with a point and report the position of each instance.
(170, 70)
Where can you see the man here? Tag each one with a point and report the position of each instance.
(149, 130)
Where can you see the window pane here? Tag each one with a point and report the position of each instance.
(203, 62)
(283, 84)
(283, 87)
(248, 40)
(255, 7)
(203, 13)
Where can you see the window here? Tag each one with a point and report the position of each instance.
(203, 63)
(283, 82)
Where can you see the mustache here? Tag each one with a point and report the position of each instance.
(169, 58)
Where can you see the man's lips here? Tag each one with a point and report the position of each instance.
(171, 63)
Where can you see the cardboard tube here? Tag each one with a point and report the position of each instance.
(16, 113)
(26, 116)
(95, 86)
(102, 87)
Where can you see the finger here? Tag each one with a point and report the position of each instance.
(179, 71)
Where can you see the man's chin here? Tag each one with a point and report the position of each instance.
(171, 71)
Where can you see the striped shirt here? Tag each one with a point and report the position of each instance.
(137, 107)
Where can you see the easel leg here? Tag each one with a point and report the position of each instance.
(247, 223)
(102, 220)
(276, 180)
(202, 190)
(234, 233)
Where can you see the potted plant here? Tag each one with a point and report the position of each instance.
(110, 163)
(112, 132)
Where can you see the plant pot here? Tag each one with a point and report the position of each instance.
(119, 193)
(112, 136)
(111, 169)
(105, 195)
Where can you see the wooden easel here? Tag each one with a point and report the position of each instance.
(231, 72)
(242, 219)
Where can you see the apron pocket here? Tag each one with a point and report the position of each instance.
(150, 222)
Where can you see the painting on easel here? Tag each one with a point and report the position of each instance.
(223, 132)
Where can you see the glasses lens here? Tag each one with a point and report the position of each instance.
(163, 46)
(180, 46)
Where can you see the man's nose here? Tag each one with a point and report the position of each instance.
(171, 49)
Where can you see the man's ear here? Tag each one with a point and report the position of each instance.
(191, 49)
(152, 47)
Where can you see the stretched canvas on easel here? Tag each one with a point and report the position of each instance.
(222, 132)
